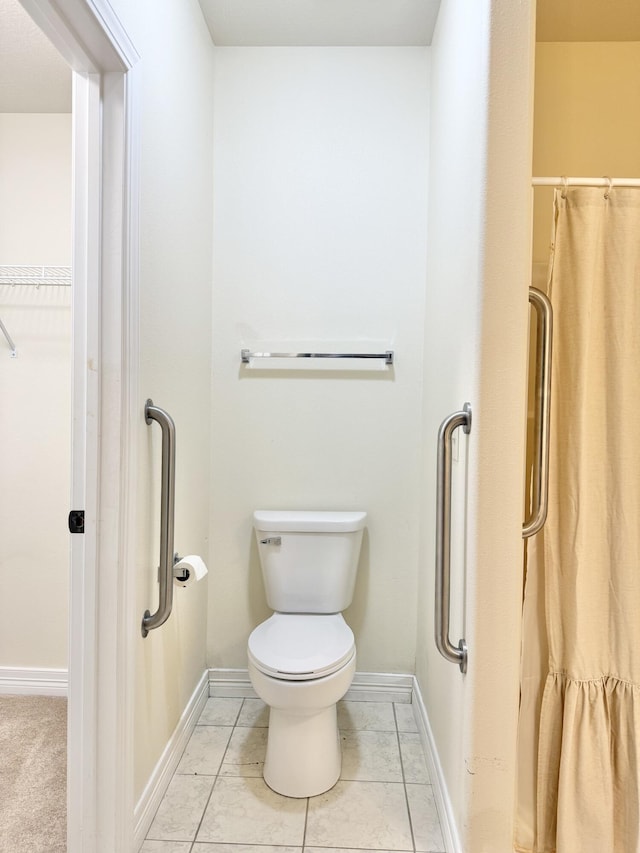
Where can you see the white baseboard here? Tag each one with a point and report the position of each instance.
(230, 684)
(165, 768)
(441, 794)
(365, 687)
(33, 682)
(380, 687)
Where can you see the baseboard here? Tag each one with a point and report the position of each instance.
(165, 768)
(230, 684)
(365, 687)
(441, 794)
(33, 682)
(380, 687)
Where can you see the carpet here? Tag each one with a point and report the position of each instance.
(33, 770)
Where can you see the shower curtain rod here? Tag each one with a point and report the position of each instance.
(585, 182)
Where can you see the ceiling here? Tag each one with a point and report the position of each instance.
(588, 20)
(33, 76)
(320, 22)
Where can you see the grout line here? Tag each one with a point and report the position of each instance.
(173, 776)
(304, 831)
(204, 811)
(378, 731)
(404, 782)
(215, 778)
(220, 725)
(368, 849)
(213, 844)
(226, 749)
(235, 723)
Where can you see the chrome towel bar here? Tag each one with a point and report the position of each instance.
(246, 355)
(540, 476)
(443, 538)
(167, 505)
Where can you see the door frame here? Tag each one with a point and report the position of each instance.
(93, 41)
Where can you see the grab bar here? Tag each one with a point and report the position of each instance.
(167, 504)
(443, 538)
(246, 355)
(540, 484)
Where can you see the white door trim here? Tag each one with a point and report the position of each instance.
(105, 371)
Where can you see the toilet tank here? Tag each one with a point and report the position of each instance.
(309, 559)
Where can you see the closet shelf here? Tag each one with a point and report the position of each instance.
(36, 276)
(33, 276)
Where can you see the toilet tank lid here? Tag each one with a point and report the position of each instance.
(308, 521)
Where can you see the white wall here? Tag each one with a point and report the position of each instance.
(319, 242)
(475, 342)
(175, 329)
(35, 416)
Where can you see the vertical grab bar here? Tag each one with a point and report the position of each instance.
(540, 480)
(443, 538)
(167, 504)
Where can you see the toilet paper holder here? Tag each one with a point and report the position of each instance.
(179, 574)
(188, 570)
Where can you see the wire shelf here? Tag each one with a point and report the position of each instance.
(36, 276)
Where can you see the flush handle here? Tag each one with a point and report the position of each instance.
(271, 540)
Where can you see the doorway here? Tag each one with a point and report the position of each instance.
(93, 43)
(35, 431)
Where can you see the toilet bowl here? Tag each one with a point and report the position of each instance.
(302, 658)
(303, 746)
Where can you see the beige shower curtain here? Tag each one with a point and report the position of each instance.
(588, 770)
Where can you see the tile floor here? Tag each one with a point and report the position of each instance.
(217, 801)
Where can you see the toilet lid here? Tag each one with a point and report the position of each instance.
(299, 646)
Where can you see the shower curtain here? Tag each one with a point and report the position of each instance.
(588, 768)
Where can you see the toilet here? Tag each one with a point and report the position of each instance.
(302, 658)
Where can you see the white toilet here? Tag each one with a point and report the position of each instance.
(302, 659)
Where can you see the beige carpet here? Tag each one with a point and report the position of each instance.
(33, 767)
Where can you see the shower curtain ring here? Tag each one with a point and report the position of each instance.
(609, 186)
(565, 184)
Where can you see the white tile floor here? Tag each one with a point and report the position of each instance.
(217, 801)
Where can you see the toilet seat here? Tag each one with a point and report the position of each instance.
(301, 647)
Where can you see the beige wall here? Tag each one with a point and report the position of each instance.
(319, 242)
(587, 118)
(175, 73)
(35, 424)
(586, 123)
(475, 342)
(35, 176)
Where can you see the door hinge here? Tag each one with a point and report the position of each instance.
(76, 521)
